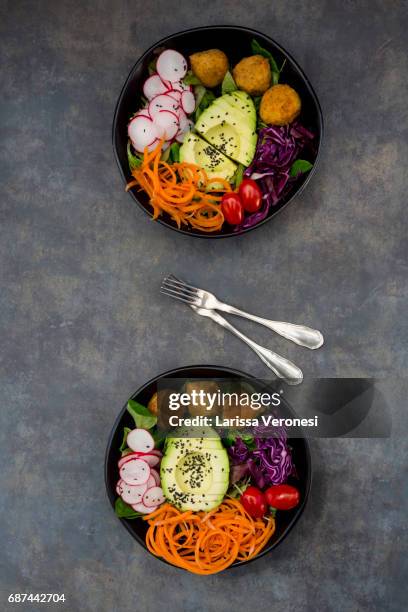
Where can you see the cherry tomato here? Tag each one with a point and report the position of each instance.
(251, 195)
(253, 501)
(282, 497)
(232, 208)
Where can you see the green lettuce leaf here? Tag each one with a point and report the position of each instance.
(142, 416)
(123, 510)
(228, 85)
(300, 166)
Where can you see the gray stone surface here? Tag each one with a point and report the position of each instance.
(84, 324)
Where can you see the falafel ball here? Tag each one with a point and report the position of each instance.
(209, 66)
(280, 105)
(253, 74)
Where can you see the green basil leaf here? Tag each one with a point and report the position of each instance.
(175, 152)
(258, 50)
(300, 166)
(191, 79)
(239, 175)
(228, 84)
(152, 66)
(123, 446)
(142, 416)
(123, 510)
(207, 98)
(135, 161)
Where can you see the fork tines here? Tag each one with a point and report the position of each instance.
(179, 290)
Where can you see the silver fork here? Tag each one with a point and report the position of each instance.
(300, 334)
(282, 367)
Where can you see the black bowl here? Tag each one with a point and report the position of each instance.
(236, 42)
(300, 449)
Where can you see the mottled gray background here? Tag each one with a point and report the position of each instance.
(84, 324)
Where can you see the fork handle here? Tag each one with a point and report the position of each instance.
(282, 367)
(300, 334)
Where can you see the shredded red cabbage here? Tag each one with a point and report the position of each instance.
(277, 148)
(270, 463)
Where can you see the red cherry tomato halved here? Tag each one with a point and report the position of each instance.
(253, 501)
(282, 497)
(251, 195)
(232, 208)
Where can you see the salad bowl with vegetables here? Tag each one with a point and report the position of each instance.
(216, 130)
(208, 501)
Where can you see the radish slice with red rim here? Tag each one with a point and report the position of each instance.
(140, 507)
(156, 476)
(188, 102)
(171, 65)
(153, 497)
(133, 494)
(163, 102)
(176, 95)
(140, 440)
(180, 86)
(119, 486)
(151, 482)
(127, 457)
(180, 137)
(183, 121)
(154, 86)
(167, 124)
(144, 112)
(150, 459)
(142, 132)
(135, 472)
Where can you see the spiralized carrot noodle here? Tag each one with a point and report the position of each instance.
(182, 190)
(207, 543)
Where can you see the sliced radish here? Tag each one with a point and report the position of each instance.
(126, 458)
(140, 440)
(153, 497)
(176, 95)
(154, 144)
(167, 124)
(142, 132)
(154, 86)
(188, 102)
(151, 482)
(163, 102)
(180, 137)
(140, 507)
(171, 65)
(144, 112)
(135, 472)
(157, 452)
(156, 476)
(119, 486)
(180, 86)
(151, 459)
(183, 121)
(133, 494)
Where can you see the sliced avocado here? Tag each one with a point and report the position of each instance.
(197, 438)
(194, 475)
(195, 150)
(229, 124)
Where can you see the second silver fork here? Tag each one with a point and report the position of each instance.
(282, 367)
(299, 334)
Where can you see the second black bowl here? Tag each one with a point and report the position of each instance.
(236, 43)
(300, 451)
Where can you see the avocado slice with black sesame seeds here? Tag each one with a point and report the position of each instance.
(195, 150)
(229, 124)
(194, 473)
